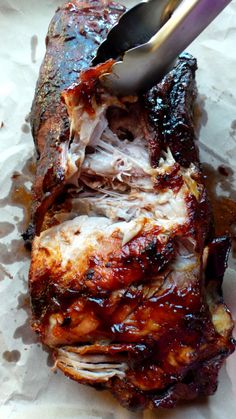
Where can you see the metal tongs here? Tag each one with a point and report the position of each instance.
(148, 38)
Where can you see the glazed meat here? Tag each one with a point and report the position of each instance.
(126, 284)
(74, 34)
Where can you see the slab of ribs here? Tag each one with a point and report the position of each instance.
(126, 271)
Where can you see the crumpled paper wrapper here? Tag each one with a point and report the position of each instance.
(28, 386)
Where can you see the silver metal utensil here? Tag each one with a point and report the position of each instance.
(148, 39)
(135, 27)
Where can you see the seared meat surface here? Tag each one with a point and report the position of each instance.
(126, 283)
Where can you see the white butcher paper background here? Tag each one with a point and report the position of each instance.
(28, 386)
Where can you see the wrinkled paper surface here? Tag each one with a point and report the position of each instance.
(28, 387)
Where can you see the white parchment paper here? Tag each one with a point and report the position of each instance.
(28, 387)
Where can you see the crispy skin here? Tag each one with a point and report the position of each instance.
(129, 294)
(71, 42)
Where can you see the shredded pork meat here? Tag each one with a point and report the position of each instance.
(126, 274)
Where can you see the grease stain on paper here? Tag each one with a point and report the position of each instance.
(233, 125)
(50, 360)
(33, 44)
(25, 333)
(4, 273)
(27, 118)
(11, 356)
(25, 128)
(200, 114)
(24, 302)
(20, 193)
(13, 252)
(6, 228)
(232, 130)
(224, 208)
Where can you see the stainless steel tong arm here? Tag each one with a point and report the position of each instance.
(145, 64)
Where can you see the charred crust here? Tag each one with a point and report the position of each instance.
(28, 236)
(66, 321)
(217, 261)
(169, 108)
